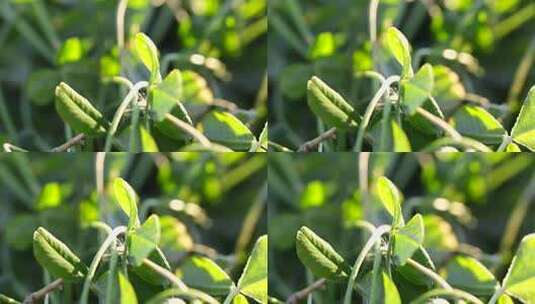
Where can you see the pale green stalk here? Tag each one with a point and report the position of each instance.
(131, 96)
(455, 293)
(96, 261)
(430, 274)
(369, 110)
(376, 236)
(184, 126)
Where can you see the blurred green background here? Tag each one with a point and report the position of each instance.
(487, 40)
(43, 42)
(203, 201)
(466, 199)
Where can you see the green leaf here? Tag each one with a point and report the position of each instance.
(524, 129)
(6, 300)
(415, 91)
(144, 240)
(126, 290)
(78, 112)
(127, 199)
(439, 234)
(512, 147)
(505, 299)
(253, 281)
(293, 79)
(172, 131)
(470, 275)
(240, 299)
(520, 279)
(148, 274)
(225, 129)
(195, 88)
(330, 106)
(448, 89)
(148, 54)
(319, 256)
(396, 139)
(166, 95)
(386, 293)
(408, 239)
(262, 143)
(324, 46)
(51, 196)
(390, 197)
(414, 276)
(399, 46)
(475, 122)
(148, 144)
(204, 274)
(56, 257)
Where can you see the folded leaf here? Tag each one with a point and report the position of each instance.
(148, 54)
(78, 112)
(56, 257)
(253, 281)
(524, 129)
(408, 239)
(127, 199)
(520, 279)
(204, 274)
(399, 46)
(320, 257)
(330, 106)
(390, 197)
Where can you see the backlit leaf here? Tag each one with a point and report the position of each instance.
(148, 54)
(390, 197)
(475, 122)
(253, 281)
(126, 290)
(225, 129)
(470, 275)
(144, 240)
(524, 130)
(520, 279)
(127, 199)
(416, 90)
(204, 274)
(399, 46)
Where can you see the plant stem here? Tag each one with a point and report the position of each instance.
(314, 143)
(430, 273)
(96, 260)
(12, 148)
(233, 293)
(71, 142)
(505, 142)
(464, 142)
(131, 96)
(40, 294)
(119, 21)
(496, 295)
(521, 75)
(456, 293)
(303, 293)
(375, 271)
(171, 277)
(369, 110)
(376, 236)
(437, 121)
(184, 126)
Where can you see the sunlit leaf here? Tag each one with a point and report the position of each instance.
(416, 90)
(148, 53)
(225, 129)
(127, 199)
(204, 274)
(520, 278)
(408, 239)
(524, 129)
(253, 281)
(390, 197)
(475, 122)
(399, 46)
(144, 240)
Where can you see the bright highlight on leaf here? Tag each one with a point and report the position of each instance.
(127, 199)
(254, 279)
(390, 197)
(416, 90)
(520, 277)
(148, 53)
(408, 239)
(524, 129)
(399, 46)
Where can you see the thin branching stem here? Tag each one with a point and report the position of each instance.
(314, 143)
(184, 126)
(430, 274)
(371, 108)
(78, 139)
(303, 293)
(131, 96)
(96, 261)
(42, 293)
(375, 237)
(171, 277)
